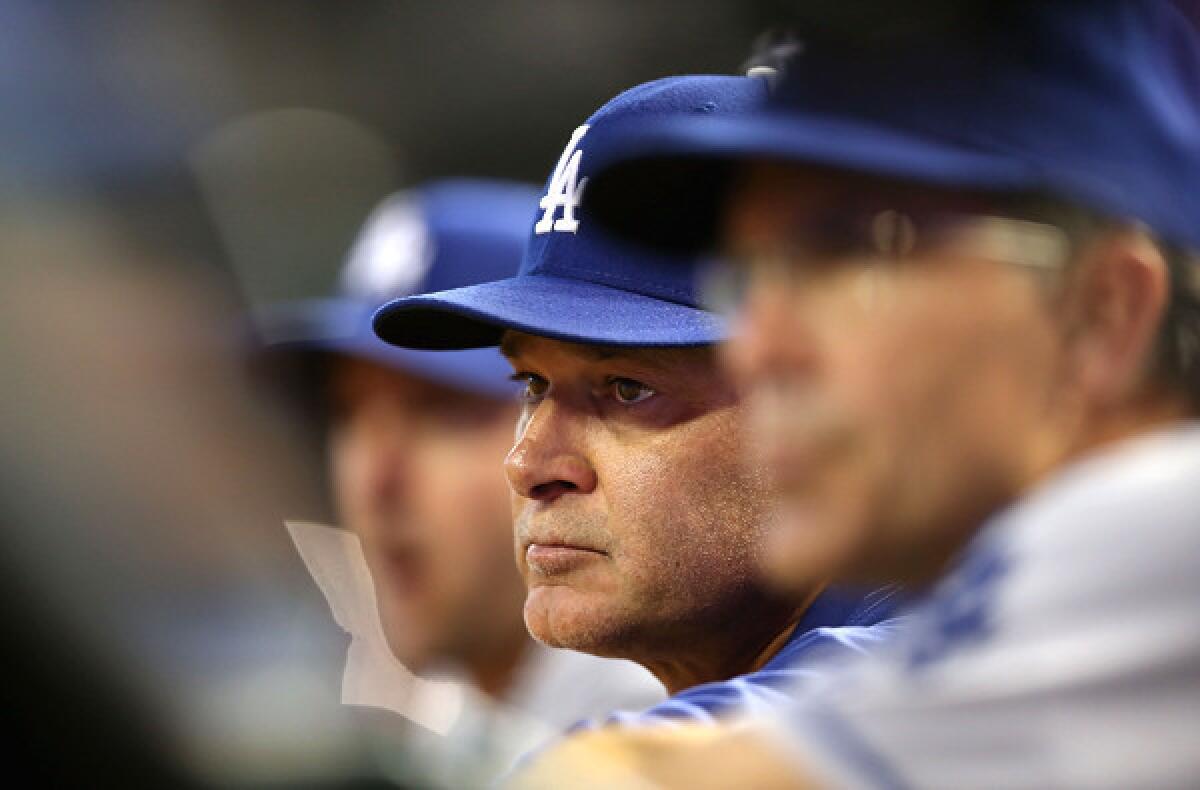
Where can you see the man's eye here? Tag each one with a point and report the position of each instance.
(535, 386)
(629, 391)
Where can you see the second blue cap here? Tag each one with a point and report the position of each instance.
(445, 234)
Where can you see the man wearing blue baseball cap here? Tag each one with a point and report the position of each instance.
(970, 323)
(415, 440)
(637, 516)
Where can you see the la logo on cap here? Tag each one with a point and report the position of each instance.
(565, 190)
(392, 254)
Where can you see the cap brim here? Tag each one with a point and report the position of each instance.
(665, 182)
(344, 327)
(555, 307)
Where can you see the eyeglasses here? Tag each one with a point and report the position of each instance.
(882, 241)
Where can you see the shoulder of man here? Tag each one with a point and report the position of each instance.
(1071, 619)
(838, 629)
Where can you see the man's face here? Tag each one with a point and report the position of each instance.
(416, 474)
(636, 514)
(896, 400)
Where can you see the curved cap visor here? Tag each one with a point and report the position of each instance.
(340, 326)
(560, 308)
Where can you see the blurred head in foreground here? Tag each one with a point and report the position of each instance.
(144, 580)
(415, 439)
(943, 297)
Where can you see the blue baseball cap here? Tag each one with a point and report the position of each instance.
(445, 234)
(1093, 101)
(575, 283)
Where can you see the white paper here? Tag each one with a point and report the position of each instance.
(373, 676)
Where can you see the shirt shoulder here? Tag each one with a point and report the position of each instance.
(560, 687)
(838, 628)
(1069, 623)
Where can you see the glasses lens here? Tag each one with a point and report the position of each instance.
(723, 287)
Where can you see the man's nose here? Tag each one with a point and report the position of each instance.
(549, 459)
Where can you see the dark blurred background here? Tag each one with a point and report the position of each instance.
(257, 134)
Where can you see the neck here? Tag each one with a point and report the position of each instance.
(1098, 427)
(742, 645)
(494, 670)
(1094, 432)
(1147, 414)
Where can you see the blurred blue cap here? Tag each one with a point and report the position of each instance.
(576, 283)
(445, 234)
(1094, 101)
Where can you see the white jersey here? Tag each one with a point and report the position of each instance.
(1063, 652)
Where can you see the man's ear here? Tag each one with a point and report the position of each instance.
(1122, 290)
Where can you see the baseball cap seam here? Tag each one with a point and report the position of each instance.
(682, 297)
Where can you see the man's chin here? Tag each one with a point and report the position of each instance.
(416, 658)
(560, 616)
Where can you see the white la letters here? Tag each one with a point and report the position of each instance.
(565, 190)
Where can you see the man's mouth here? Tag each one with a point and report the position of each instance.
(552, 558)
